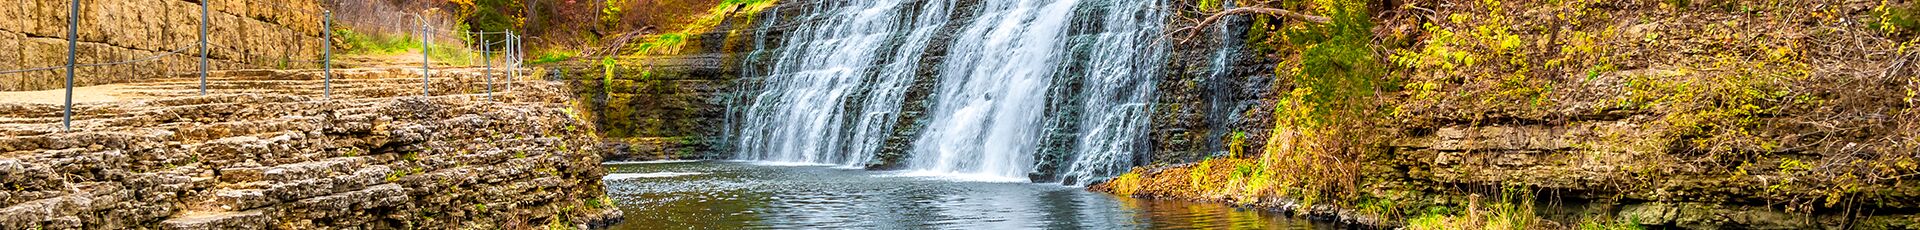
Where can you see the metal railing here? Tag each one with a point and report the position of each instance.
(509, 46)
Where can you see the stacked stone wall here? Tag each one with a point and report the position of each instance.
(243, 34)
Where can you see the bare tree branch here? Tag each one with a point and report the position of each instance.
(1194, 31)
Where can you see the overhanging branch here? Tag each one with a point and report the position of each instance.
(1194, 31)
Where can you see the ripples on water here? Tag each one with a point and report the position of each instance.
(734, 195)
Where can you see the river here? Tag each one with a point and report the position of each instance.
(745, 195)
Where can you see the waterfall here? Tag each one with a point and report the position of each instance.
(992, 90)
(824, 84)
(1222, 102)
(1119, 90)
(835, 91)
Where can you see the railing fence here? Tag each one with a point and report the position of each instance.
(509, 44)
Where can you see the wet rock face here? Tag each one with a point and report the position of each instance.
(374, 158)
(1205, 100)
(675, 106)
(665, 109)
(243, 33)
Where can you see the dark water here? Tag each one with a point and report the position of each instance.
(734, 195)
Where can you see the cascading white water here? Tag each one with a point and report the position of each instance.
(1119, 90)
(832, 97)
(825, 75)
(992, 89)
(896, 77)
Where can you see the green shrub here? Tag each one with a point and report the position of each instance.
(360, 43)
(356, 43)
(550, 57)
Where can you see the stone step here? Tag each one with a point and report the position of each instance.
(231, 110)
(219, 220)
(228, 113)
(41, 209)
(233, 200)
(349, 203)
(195, 133)
(293, 172)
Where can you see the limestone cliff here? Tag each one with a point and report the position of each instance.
(267, 152)
(668, 96)
(1683, 114)
(244, 33)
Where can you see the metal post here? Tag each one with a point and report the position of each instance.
(203, 46)
(73, 45)
(519, 53)
(326, 52)
(426, 64)
(486, 54)
(513, 67)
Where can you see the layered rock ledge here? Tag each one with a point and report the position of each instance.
(267, 151)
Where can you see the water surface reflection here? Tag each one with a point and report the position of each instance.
(734, 195)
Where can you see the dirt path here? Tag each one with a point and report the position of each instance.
(88, 94)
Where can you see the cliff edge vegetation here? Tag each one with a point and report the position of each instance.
(1469, 114)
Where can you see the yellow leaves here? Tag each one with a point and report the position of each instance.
(1197, 177)
(1912, 94)
(1464, 58)
(1424, 89)
(1126, 184)
(1325, 6)
(1789, 166)
(1668, 5)
(1741, 171)
(463, 8)
(1903, 47)
(1780, 54)
(1209, 5)
(1509, 42)
(1491, 3)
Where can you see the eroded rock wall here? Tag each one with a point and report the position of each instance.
(675, 104)
(243, 33)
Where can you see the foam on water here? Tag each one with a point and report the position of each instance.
(790, 164)
(626, 176)
(650, 162)
(955, 177)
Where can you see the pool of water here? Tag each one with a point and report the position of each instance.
(734, 195)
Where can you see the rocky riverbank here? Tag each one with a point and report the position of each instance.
(265, 150)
